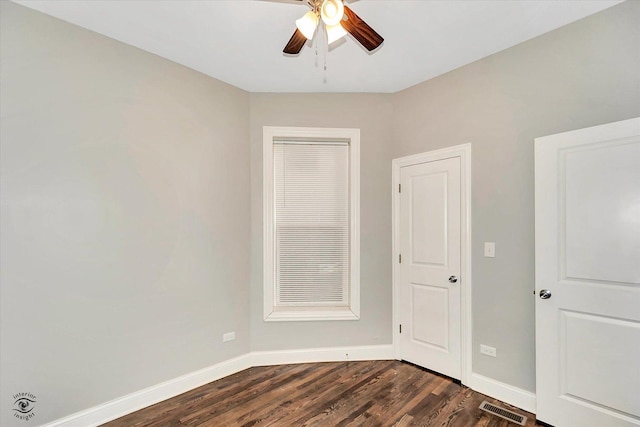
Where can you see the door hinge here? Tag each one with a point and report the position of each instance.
(399, 188)
(400, 258)
(401, 328)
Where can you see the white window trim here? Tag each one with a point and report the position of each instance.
(352, 312)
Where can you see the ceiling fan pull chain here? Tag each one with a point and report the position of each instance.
(325, 40)
(325, 48)
(315, 43)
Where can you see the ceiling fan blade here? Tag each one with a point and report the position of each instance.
(360, 30)
(295, 44)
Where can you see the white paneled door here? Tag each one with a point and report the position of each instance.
(587, 188)
(429, 270)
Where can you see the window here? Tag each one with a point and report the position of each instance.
(311, 224)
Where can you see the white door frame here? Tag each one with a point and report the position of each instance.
(462, 151)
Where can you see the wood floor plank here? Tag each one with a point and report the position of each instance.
(343, 410)
(341, 394)
(405, 393)
(242, 401)
(319, 395)
(336, 393)
(276, 404)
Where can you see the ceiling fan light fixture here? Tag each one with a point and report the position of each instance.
(332, 12)
(338, 20)
(335, 32)
(307, 24)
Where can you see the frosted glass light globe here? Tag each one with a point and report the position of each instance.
(332, 12)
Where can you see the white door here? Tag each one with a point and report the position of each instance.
(429, 269)
(587, 188)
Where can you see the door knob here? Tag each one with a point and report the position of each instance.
(545, 294)
(453, 279)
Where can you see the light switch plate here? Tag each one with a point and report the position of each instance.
(489, 249)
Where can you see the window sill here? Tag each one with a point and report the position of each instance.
(301, 315)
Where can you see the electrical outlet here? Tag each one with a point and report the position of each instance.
(490, 249)
(489, 351)
(229, 336)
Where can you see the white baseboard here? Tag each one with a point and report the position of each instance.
(141, 399)
(149, 396)
(515, 396)
(331, 354)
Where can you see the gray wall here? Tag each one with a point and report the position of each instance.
(125, 217)
(371, 113)
(584, 74)
(131, 200)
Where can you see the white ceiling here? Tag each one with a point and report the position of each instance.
(241, 41)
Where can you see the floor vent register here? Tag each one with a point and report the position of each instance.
(503, 413)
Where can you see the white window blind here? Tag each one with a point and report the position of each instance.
(311, 186)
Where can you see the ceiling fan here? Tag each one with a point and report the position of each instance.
(338, 20)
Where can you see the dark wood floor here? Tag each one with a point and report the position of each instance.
(372, 393)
